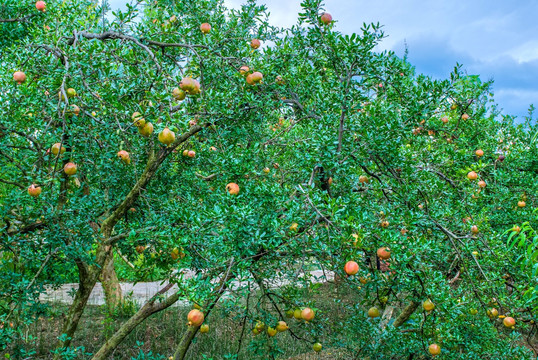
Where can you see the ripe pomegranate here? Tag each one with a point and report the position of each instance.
(70, 168)
(40, 5)
(474, 229)
(472, 175)
(326, 18)
(330, 181)
(196, 88)
(243, 70)
(167, 136)
(195, 317)
(482, 183)
(428, 305)
(205, 28)
(351, 268)
(140, 249)
(317, 347)
(282, 326)
(516, 228)
(384, 224)
(57, 148)
(191, 153)
(178, 94)
(434, 349)
(266, 170)
(74, 110)
(492, 313)
(479, 153)
(124, 156)
(34, 190)
(363, 179)
(187, 84)
(146, 130)
(373, 312)
(509, 322)
(212, 148)
(383, 253)
(465, 117)
(444, 119)
(307, 314)
(19, 77)
(254, 78)
(453, 106)
(255, 43)
(521, 204)
(232, 188)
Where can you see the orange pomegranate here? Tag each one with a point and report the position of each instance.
(70, 168)
(19, 77)
(351, 268)
(383, 253)
(434, 349)
(307, 314)
(232, 188)
(34, 190)
(195, 317)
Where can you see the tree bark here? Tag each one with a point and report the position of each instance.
(406, 313)
(150, 308)
(76, 309)
(111, 285)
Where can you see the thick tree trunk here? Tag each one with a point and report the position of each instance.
(75, 311)
(111, 285)
(146, 311)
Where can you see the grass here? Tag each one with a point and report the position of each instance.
(160, 334)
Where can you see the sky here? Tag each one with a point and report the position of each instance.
(496, 39)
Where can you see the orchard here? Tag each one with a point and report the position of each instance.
(181, 137)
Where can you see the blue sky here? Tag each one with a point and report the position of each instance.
(496, 39)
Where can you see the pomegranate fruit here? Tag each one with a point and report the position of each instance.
(205, 28)
(34, 190)
(232, 188)
(40, 5)
(124, 156)
(307, 314)
(383, 253)
(167, 136)
(326, 18)
(195, 317)
(70, 168)
(255, 43)
(19, 77)
(351, 268)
